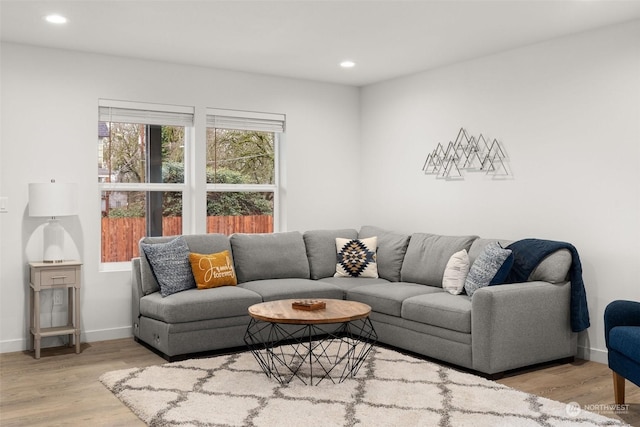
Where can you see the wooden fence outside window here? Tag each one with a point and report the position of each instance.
(120, 236)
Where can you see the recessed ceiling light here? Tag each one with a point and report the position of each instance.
(56, 19)
(347, 64)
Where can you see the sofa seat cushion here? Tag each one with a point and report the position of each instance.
(275, 289)
(624, 339)
(198, 304)
(346, 283)
(387, 298)
(440, 309)
(409, 325)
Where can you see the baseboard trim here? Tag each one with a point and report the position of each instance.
(107, 334)
(593, 354)
(9, 346)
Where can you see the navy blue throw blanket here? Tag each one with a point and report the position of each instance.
(528, 253)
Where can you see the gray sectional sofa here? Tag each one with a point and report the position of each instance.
(499, 328)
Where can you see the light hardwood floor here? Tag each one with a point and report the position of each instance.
(62, 388)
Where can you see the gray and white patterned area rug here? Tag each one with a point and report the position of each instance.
(390, 389)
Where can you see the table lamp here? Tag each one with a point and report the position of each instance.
(53, 200)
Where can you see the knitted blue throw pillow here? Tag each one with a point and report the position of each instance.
(485, 267)
(170, 264)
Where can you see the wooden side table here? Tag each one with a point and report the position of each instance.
(63, 275)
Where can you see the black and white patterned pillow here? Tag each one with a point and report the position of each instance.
(485, 267)
(356, 257)
(170, 264)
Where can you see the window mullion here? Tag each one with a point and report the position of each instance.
(195, 202)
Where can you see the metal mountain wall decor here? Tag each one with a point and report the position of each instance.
(466, 154)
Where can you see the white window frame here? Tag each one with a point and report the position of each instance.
(250, 120)
(117, 111)
(194, 189)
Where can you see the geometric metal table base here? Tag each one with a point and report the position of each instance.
(307, 351)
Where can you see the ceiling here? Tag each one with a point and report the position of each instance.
(307, 39)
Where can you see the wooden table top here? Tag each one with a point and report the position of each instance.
(336, 311)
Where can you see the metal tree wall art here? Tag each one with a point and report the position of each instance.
(468, 154)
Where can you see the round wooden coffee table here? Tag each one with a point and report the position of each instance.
(326, 343)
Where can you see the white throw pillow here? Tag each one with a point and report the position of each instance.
(455, 273)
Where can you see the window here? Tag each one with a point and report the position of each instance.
(147, 167)
(242, 175)
(141, 173)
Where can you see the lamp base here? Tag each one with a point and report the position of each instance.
(53, 242)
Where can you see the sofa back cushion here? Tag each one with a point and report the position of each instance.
(201, 243)
(427, 256)
(321, 250)
(269, 256)
(554, 268)
(392, 248)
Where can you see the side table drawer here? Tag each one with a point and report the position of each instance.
(55, 277)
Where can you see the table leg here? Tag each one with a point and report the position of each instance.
(31, 319)
(36, 325)
(70, 314)
(76, 323)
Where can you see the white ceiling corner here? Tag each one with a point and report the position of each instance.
(307, 39)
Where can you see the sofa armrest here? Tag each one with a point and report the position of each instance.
(136, 294)
(520, 324)
(620, 313)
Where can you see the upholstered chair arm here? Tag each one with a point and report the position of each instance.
(620, 313)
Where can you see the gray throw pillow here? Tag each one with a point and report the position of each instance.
(485, 267)
(170, 265)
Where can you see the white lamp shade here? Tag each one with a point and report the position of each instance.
(53, 199)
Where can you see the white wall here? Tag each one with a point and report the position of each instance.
(49, 129)
(568, 114)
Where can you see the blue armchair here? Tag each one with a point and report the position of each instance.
(622, 335)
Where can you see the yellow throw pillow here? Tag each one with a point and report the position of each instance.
(213, 270)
